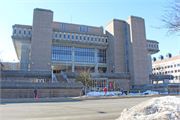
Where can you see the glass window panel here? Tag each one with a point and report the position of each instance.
(82, 55)
(61, 53)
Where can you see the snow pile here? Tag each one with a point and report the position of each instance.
(162, 108)
(97, 94)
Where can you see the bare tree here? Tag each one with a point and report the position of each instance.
(171, 18)
(86, 78)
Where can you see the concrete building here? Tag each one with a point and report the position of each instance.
(121, 55)
(168, 66)
(11, 65)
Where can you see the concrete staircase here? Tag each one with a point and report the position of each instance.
(60, 78)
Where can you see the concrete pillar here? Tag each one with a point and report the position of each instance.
(72, 59)
(150, 63)
(96, 64)
(25, 49)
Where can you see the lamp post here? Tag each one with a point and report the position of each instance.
(52, 73)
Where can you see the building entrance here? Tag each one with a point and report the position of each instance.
(98, 84)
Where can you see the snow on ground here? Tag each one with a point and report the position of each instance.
(114, 93)
(160, 108)
(98, 94)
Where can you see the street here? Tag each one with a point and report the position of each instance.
(98, 109)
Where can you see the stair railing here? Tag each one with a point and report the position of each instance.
(65, 77)
(54, 76)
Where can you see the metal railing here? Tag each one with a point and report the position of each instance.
(65, 77)
(54, 76)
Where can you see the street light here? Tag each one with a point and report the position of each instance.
(52, 73)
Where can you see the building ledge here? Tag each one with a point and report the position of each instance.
(21, 38)
(100, 75)
(160, 77)
(79, 44)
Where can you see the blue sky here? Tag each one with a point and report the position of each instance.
(88, 12)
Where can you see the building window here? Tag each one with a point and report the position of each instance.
(52, 35)
(178, 65)
(76, 37)
(103, 40)
(106, 40)
(24, 32)
(55, 35)
(101, 56)
(171, 66)
(174, 65)
(175, 71)
(63, 26)
(165, 67)
(95, 39)
(91, 38)
(15, 30)
(20, 31)
(61, 53)
(60, 36)
(172, 71)
(72, 36)
(178, 70)
(68, 36)
(88, 38)
(99, 39)
(83, 29)
(84, 55)
(64, 36)
(149, 45)
(157, 45)
(80, 37)
(84, 38)
(152, 45)
(29, 32)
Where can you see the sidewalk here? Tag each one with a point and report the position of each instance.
(64, 99)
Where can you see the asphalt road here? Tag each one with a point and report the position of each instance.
(99, 109)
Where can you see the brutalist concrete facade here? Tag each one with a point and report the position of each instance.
(41, 40)
(127, 51)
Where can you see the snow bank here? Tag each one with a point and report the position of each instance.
(161, 108)
(98, 94)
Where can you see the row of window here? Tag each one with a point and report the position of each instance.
(84, 55)
(63, 53)
(69, 36)
(151, 45)
(166, 72)
(20, 32)
(81, 28)
(165, 67)
(101, 56)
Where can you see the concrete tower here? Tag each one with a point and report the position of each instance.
(138, 59)
(116, 48)
(41, 41)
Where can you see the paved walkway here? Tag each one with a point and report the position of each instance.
(95, 109)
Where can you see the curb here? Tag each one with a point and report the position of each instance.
(29, 100)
